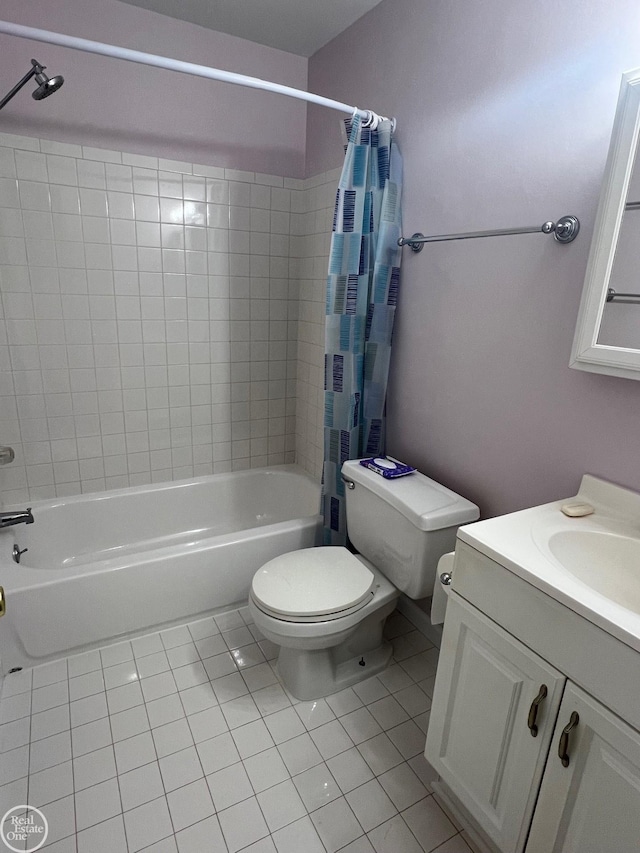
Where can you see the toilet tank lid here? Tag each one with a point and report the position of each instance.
(425, 503)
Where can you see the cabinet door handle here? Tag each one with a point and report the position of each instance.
(574, 719)
(533, 710)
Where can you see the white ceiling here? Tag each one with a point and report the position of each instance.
(297, 26)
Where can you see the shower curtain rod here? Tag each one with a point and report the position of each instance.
(371, 119)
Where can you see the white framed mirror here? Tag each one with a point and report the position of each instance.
(607, 337)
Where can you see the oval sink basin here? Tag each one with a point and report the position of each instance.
(606, 562)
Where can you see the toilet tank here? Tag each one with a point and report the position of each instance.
(403, 525)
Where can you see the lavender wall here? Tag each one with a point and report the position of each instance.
(113, 104)
(505, 110)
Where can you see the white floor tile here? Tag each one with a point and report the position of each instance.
(238, 712)
(207, 724)
(198, 698)
(190, 804)
(410, 644)
(229, 786)
(429, 823)
(370, 690)
(217, 752)
(51, 784)
(380, 754)
(152, 664)
(98, 803)
(183, 655)
(180, 768)
(203, 628)
(229, 687)
(126, 724)
(281, 805)
(252, 738)
(229, 621)
(118, 653)
(315, 713)
(107, 837)
(167, 845)
(257, 677)
(85, 685)
(297, 837)
(360, 725)
(344, 702)
(394, 836)
(214, 646)
(362, 845)
(48, 673)
(205, 835)
(371, 805)
(89, 709)
(423, 770)
(15, 734)
(454, 845)
(47, 752)
(421, 666)
(51, 696)
(190, 675)
(91, 736)
(317, 787)
(271, 699)
(266, 769)
(331, 739)
(408, 738)
(140, 786)
(121, 673)
(15, 707)
(395, 678)
(157, 686)
(349, 770)
(51, 722)
(123, 698)
(148, 645)
(284, 725)
(220, 665)
(165, 710)
(61, 819)
(248, 656)
(94, 767)
(388, 712)
(238, 637)
(86, 662)
(299, 754)
(14, 792)
(403, 786)
(173, 637)
(147, 824)
(336, 825)
(172, 737)
(265, 845)
(135, 752)
(414, 700)
(242, 824)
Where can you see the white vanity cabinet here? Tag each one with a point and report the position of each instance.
(491, 695)
(515, 789)
(592, 805)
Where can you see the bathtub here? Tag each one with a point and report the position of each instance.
(117, 563)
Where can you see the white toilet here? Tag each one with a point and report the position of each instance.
(326, 607)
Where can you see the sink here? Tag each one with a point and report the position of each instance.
(606, 562)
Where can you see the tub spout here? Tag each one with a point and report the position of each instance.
(7, 519)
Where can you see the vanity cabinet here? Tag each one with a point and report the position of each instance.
(593, 804)
(494, 709)
(516, 787)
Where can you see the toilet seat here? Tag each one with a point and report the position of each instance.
(313, 585)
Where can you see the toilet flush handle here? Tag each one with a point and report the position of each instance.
(348, 483)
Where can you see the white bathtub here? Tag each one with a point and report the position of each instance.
(117, 563)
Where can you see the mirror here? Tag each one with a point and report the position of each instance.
(607, 338)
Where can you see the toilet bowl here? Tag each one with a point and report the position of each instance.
(326, 607)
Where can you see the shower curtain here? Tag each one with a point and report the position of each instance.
(362, 292)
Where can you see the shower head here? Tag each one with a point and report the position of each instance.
(46, 85)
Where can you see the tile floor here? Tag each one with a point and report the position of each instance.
(184, 741)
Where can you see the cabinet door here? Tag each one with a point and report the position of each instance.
(479, 740)
(593, 804)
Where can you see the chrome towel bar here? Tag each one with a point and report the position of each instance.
(631, 298)
(565, 230)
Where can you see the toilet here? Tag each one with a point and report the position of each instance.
(326, 607)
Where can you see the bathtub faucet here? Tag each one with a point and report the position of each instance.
(7, 519)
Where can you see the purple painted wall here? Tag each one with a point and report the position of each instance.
(505, 109)
(109, 103)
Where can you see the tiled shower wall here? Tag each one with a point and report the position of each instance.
(310, 243)
(158, 319)
(148, 323)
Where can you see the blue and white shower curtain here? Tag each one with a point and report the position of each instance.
(362, 292)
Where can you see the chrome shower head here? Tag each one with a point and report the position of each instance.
(46, 85)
